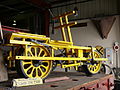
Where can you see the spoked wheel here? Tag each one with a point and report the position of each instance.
(35, 68)
(93, 67)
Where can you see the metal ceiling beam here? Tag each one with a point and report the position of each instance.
(10, 8)
(19, 7)
(39, 3)
(60, 1)
(10, 2)
(71, 3)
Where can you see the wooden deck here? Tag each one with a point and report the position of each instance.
(76, 81)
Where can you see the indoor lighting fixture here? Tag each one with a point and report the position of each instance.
(14, 23)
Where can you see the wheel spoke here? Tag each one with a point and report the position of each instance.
(97, 66)
(31, 53)
(90, 66)
(45, 61)
(29, 67)
(36, 72)
(41, 71)
(32, 70)
(26, 62)
(43, 66)
(35, 48)
(40, 52)
(44, 54)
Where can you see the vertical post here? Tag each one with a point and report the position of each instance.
(35, 48)
(47, 19)
(92, 53)
(76, 67)
(52, 52)
(80, 53)
(26, 50)
(63, 30)
(10, 62)
(68, 29)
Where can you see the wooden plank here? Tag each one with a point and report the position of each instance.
(65, 25)
(76, 80)
(79, 25)
(56, 79)
(91, 83)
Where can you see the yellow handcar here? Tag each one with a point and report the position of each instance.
(34, 55)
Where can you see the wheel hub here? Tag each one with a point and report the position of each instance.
(93, 62)
(36, 63)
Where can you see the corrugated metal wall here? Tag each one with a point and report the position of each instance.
(90, 9)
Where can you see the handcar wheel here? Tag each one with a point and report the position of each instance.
(94, 67)
(35, 68)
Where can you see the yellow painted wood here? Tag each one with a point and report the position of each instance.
(80, 53)
(76, 67)
(55, 42)
(8, 58)
(23, 43)
(65, 25)
(57, 58)
(68, 13)
(70, 65)
(16, 35)
(68, 29)
(62, 30)
(92, 53)
(48, 58)
(52, 52)
(31, 49)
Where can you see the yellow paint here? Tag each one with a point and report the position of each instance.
(45, 52)
(80, 53)
(62, 30)
(70, 65)
(94, 68)
(58, 58)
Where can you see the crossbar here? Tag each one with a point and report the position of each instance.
(57, 58)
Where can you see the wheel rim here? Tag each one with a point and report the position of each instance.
(95, 67)
(36, 68)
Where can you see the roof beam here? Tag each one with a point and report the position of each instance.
(63, 5)
(39, 3)
(59, 1)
